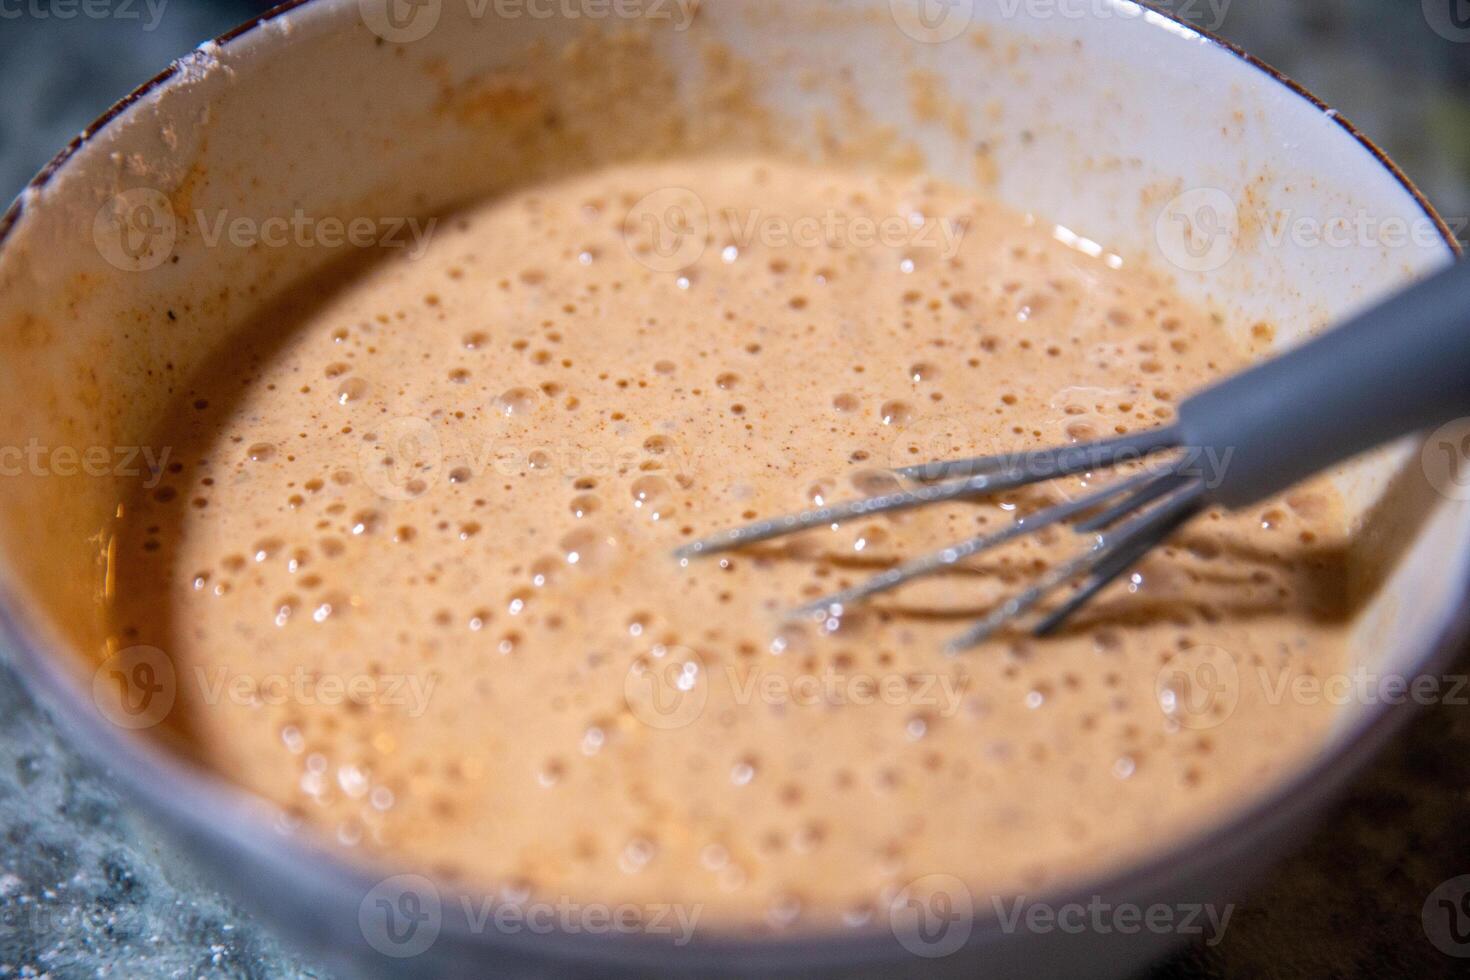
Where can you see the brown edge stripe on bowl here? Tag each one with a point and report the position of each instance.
(12, 214)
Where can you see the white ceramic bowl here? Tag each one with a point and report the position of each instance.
(1106, 118)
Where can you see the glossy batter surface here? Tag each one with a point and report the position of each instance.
(412, 565)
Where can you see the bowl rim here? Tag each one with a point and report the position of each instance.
(12, 214)
(158, 777)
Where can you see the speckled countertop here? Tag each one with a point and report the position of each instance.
(86, 889)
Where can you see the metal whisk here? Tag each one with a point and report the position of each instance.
(1400, 368)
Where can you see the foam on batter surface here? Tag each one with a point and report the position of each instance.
(413, 561)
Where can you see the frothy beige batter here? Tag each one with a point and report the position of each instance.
(413, 563)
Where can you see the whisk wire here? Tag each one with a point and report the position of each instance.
(1048, 464)
(1151, 491)
(953, 555)
(1032, 468)
(1160, 500)
(1109, 570)
(1111, 554)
